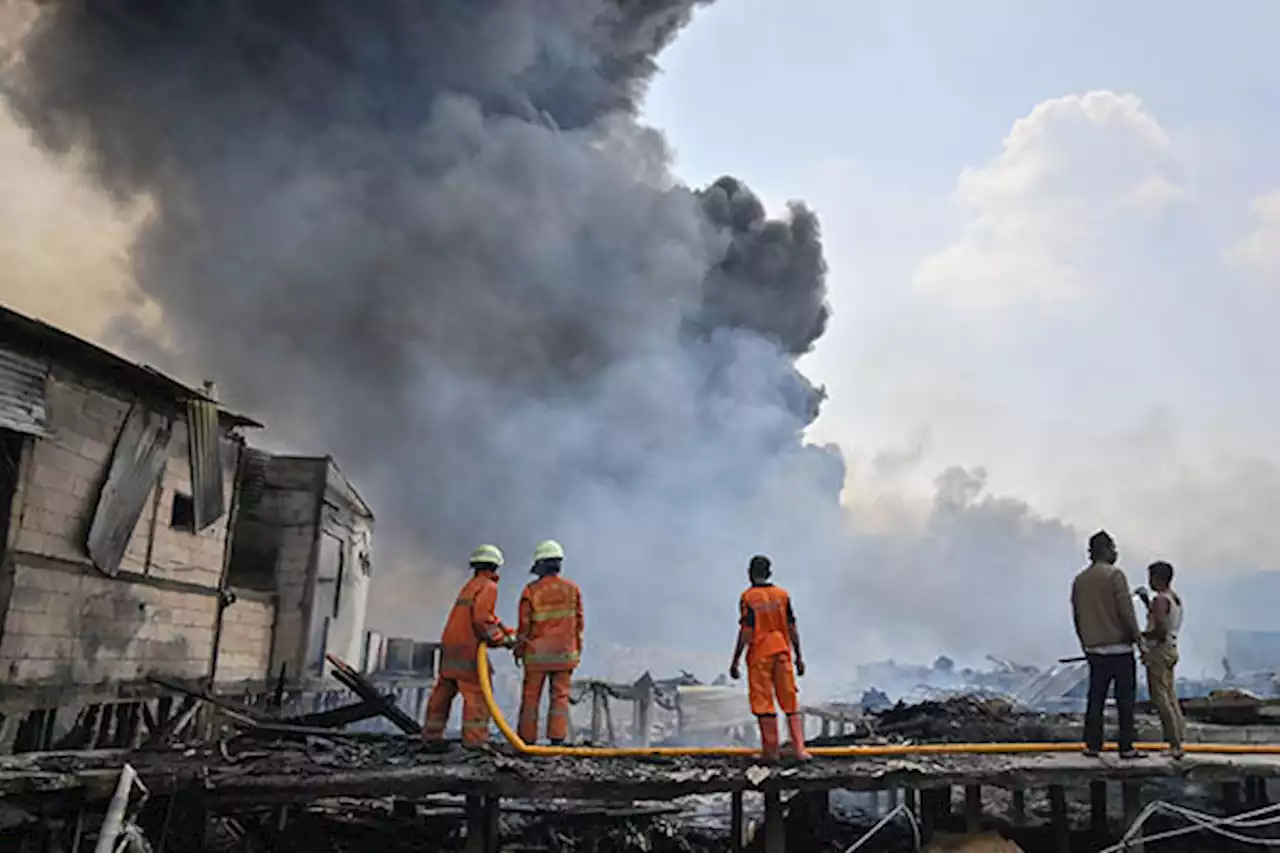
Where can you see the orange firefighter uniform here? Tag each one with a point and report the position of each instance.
(471, 622)
(766, 612)
(767, 621)
(550, 644)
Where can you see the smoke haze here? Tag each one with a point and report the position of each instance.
(435, 241)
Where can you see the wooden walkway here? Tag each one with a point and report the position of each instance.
(295, 775)
(230, 778)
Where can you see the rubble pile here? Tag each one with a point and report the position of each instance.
(965, 719)
(364, 827)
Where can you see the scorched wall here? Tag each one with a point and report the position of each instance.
(66, 622)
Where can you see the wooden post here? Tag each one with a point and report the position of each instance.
(819, 803)
(775, 831)
(73, 831)
(1098, 810)
(644, 705)
(1255, 792)
(123, 734)
(482, 824)
(190, 822)
(735, 822)
(826, 727)
(929, 812)
(1019, 805)
(493, 825)
(1231, 797)
(1058, 819)
(597, 715)
(1131, 795)
(972, 808)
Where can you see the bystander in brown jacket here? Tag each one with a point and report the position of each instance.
(1107, 628)
(1164, 620)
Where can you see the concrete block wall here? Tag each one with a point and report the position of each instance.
(293, 565)
(244, 649)
(67, 470)
(179, 554)
(67, 627)
(68, 624)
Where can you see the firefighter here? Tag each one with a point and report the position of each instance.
(549, 644)
(767, 631)
(471, 623)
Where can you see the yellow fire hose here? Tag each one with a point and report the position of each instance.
(862, 751)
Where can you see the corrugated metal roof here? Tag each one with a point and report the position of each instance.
(139, 457)
(22, 393)
(37, 339)
(203, 450)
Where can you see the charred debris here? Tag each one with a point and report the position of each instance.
(219, 773)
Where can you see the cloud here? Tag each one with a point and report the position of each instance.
(1258, 252)
(64, 247)
(1073, 177)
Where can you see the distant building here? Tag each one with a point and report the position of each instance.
(1253, 651)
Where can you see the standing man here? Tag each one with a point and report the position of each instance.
(1102, 607)
(767, 631)
(550, 643)
(471, 623)
(1164, 620)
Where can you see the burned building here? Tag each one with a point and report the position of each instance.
(303, 535)
(123, 492)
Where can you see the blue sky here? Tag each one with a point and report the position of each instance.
(915, 91)
(1051, 249)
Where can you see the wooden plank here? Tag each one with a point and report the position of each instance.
(175, 724)
(276, 779)
(337, 717)
(350, 678)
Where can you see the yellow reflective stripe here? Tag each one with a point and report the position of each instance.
(483, 725)
(563, 657)
(464, 602)
(554, 614)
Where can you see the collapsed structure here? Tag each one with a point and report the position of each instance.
(145, 539)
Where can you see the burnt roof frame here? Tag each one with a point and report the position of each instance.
(39, 339)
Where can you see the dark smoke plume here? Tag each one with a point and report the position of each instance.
(432, 239)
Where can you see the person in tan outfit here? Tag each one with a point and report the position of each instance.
(1107, 628)
(1164, 620)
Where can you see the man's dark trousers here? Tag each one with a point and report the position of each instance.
(1103, 670)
